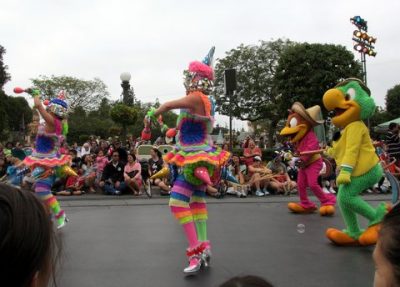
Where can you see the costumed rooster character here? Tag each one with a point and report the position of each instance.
(195, 158)
(299, 127)
(354, 153)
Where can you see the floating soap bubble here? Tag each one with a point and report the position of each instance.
(301, 228)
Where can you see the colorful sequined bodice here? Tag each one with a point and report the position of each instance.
(194, 132)
(48, 144)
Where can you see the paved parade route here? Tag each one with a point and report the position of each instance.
(125, 242)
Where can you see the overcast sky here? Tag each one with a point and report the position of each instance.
(155, 40)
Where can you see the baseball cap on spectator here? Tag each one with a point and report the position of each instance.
(257, 158)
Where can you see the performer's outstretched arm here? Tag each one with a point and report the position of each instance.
(190, 102)
(49, 119)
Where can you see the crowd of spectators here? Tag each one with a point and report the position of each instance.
(112, 167)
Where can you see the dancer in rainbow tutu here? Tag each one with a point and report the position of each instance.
(195, 158)
(46, 162)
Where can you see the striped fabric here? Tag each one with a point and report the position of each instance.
(42, 190)
(187, 202)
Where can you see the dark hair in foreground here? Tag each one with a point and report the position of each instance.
(389, 238)
(27, 239)
(246, 281)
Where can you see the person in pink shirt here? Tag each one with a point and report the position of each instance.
(133, 174)
(101, 162)
(251, 151)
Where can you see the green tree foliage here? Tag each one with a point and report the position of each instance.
(256, 97)
(393, 102)
(87, 94)
(3, 116)
(124, 116)
(255, 71)
(4, 76)
(306, 71)
(15, 115)
(19, 113)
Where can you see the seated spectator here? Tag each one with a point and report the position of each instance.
(88, 172)
(250, 152)
(112, 179)
(238, 170)
(386, 253)
(133, 174)
(246, 281)
(64, 149)
(75, 160)
(74, 184)
(256, 177)
(7, 149)
(27, 240)
(292, 169)
(123, 154)
(16, 171)
(225, 146)
(85, 149)
(3, 167)
(281, 183)
(101, 162)
(156, 163)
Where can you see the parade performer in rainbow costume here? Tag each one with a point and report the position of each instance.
(46, 162)
(351, 103)
(195, 157)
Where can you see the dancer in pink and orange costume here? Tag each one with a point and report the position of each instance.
(195, 159)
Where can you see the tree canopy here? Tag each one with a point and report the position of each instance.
(393, 102)
(255, 66)
(87, 94)
(4, 76)
(305, 71)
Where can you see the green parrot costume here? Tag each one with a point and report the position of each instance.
(359, 165)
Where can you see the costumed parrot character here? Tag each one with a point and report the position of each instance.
(354, 153)
(46, 162)
(195, 158)
(299, 127)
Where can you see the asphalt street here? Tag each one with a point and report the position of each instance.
(123, 241)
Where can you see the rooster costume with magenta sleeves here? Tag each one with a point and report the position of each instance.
(299, 127)
(354, 153)
(195, 159)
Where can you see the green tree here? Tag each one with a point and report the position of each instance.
(256, 96)
(393, 102)
(19, 114)
(306, 71)
(4, 129)
(4, 76)
(124, 116)
(87, 94)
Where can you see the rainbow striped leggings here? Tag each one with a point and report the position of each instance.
(187, 201)
(43, 191)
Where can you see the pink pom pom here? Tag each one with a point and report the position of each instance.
(202, 69)
(201, 173)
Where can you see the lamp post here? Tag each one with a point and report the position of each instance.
(127, 97)
(363, 42)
